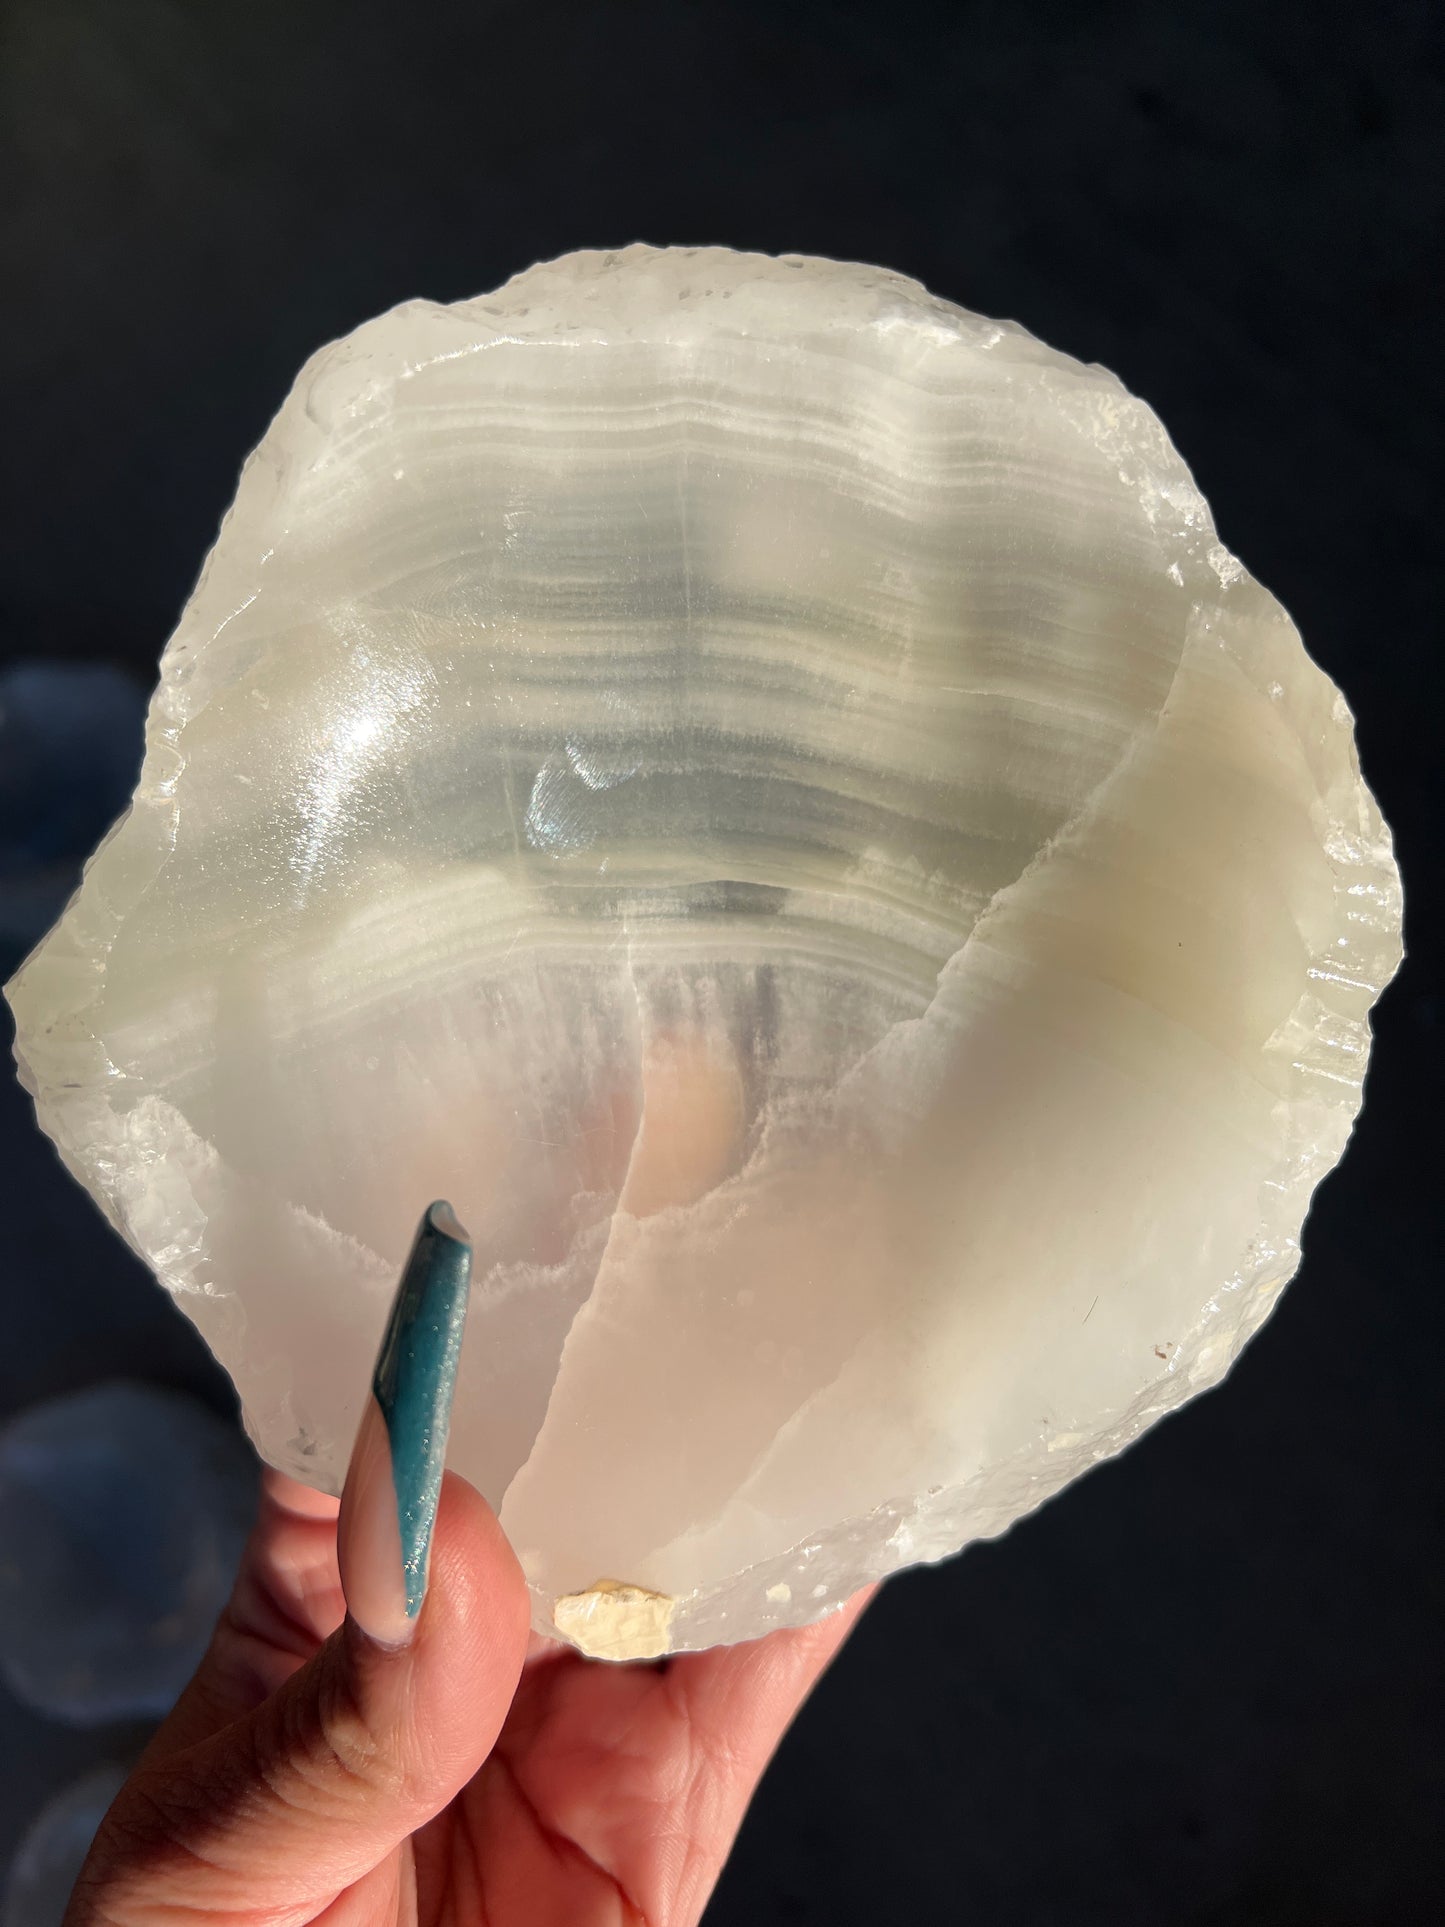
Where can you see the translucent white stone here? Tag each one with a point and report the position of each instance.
(767, 791)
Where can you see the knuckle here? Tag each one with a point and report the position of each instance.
(334, 1754)
(349, 1744)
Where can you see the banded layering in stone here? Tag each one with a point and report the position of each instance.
(766, 790)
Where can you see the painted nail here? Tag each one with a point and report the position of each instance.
(390, 1502)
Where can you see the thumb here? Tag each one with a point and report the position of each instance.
(272, 1817)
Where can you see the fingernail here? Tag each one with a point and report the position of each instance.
(389, 1505)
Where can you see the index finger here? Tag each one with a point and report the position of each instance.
(285, 1604)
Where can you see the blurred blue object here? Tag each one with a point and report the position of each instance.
(54, 1848)
(123, 1510)
(70, 749)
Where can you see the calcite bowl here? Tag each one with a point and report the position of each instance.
(766, 790)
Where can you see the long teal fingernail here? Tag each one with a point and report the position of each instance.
(415, 1378)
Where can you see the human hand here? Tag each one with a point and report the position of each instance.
(352, 1755)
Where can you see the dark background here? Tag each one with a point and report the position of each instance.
(1205, 1686)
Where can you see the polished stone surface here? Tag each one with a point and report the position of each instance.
(767, 790)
